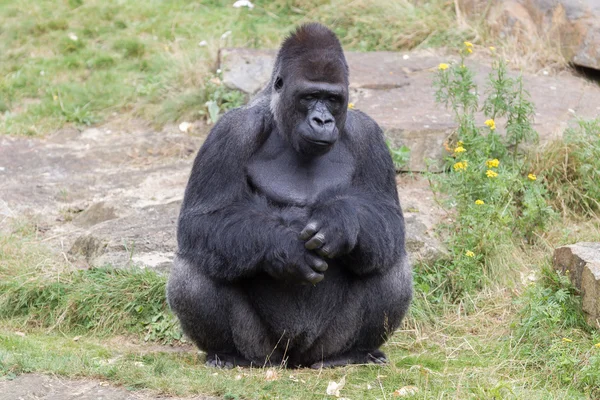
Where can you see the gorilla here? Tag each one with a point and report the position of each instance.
(291, 236)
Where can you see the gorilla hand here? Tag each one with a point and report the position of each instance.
(295, 263)
(331, 231)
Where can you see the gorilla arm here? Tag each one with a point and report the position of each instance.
(362, 225)
(226, 230)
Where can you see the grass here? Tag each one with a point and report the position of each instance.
(500, 342)
(81, 62)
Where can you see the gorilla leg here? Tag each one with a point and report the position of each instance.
(218, 319)
(383, 302)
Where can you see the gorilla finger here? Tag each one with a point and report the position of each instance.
(316, 242)
(309, 230)
(324, 252)
(308, 275)
(316, 263)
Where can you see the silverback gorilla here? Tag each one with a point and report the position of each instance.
(291, 236)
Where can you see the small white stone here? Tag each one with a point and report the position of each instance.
(243, 3)
(185, 127)
(225, 35)
(545, 72)
(405, 57)
(203, 43)
(552, 87)
(42, 73)
(219, 71)
(571, 111)
(73, 37)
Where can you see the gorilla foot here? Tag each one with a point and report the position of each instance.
(353, 357)
(226, 361)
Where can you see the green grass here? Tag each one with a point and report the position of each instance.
(82, 62)
(114, 325)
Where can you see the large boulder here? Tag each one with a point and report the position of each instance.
(581, 263)
(574, 25)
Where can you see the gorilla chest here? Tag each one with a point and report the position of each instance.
(284, 177)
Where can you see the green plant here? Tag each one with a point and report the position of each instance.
(400, 155)
(572, 169)
(495, 198)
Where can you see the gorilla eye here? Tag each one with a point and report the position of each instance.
(278, 84)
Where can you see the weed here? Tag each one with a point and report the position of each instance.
(572, 170)
(497, 201)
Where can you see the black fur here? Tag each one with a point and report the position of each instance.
(291, 236)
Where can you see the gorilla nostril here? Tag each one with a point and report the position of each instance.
(318, 121)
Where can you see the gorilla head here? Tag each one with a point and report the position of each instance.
(309, 90)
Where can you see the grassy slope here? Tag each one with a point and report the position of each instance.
(140, 57)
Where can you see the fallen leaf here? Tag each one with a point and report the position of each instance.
(271, 375)
(185, 127)
(333, 388)
(76, 338)
(406, 391)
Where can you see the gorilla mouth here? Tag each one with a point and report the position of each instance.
(320, 143)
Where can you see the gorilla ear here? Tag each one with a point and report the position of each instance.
(278, 84)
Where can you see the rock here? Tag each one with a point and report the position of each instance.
(95, 214)
(421, 244)
(421, 215)
(246, 70)
(573, 24)
(581, 263)
(42, 387)
(87, 247)
(396, 90)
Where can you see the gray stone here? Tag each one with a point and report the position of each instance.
(88, 247)
(41, 387)
(422, 215)
(95, 214)
(246, 70)
(581, 263)
(573, 24)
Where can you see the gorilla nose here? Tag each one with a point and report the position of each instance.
(322, 122)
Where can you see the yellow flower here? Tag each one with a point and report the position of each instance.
(459, 149)
(468, 44)
(469, 50)
(491, 174)
(460, 143)
(443, 66)
(492, 48)
(479, 202)
(351, 106)
(566, 340)
(597, 345)
(491, 123)
(532, 177)
(460, 166)
(469, 253)
(492, 163)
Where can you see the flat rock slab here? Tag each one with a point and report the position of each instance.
(396, 90)
(111, 194)
(42, 387)
(581, 263)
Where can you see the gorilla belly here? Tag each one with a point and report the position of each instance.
(299, 313)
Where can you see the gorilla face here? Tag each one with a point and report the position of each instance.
(311, 111)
